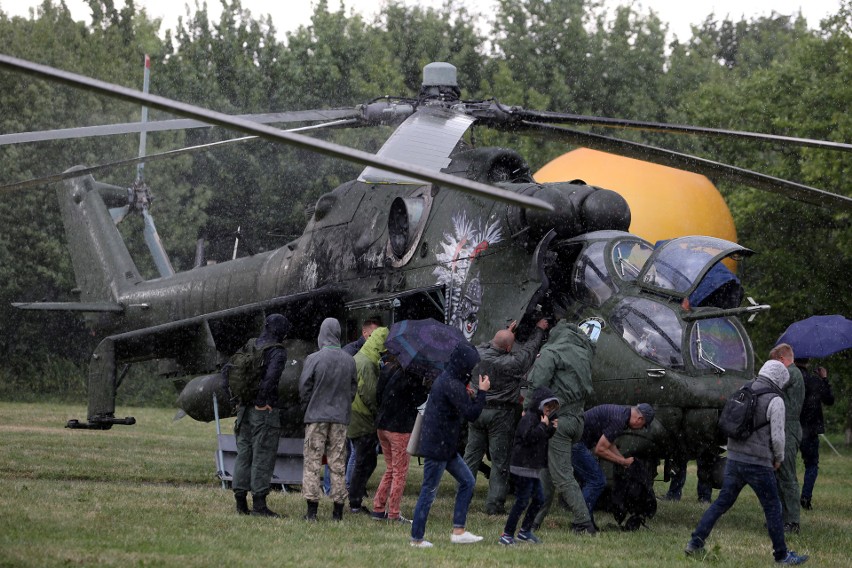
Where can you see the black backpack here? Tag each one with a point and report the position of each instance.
(737, 419)
(245, 370)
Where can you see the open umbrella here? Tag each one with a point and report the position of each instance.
(818, 336)
(423, 346)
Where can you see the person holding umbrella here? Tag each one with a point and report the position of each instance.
(449, 403)
(817, 393)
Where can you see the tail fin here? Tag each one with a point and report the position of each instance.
(102, 264)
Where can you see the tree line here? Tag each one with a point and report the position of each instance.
(770, 74)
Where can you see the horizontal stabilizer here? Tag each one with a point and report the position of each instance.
(69, 306)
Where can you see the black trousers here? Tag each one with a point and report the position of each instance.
(365, 465)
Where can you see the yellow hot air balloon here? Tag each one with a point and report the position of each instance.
(664, 202)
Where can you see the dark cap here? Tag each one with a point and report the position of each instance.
(647, 411)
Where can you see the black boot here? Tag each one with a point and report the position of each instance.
(337, 513)
(587, 528)
(311, 515)
(242, 503)
(260, 509)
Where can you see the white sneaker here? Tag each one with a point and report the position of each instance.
(421, 544)
(464, 538)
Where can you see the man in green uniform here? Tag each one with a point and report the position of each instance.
(794, 398)
(258, 425)
(565, 367)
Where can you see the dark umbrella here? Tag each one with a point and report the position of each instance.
(423, 346)
(818, 336)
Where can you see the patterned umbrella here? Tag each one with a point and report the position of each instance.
(423, 346)
(818, 336)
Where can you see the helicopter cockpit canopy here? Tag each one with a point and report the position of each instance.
(611, 262)
(593, 280)
(677, 267)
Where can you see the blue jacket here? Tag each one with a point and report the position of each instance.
(449, 404)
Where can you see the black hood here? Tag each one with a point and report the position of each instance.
(540, 396)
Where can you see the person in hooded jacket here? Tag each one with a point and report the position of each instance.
(753, 462)
(398, 394)
(449, 404)
(258, 425)
(529, 457)
(564, 365)
(327, 388)
(362, 428)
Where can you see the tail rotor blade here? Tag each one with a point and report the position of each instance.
(158, 252)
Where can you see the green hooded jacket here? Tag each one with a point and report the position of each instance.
(564, 365)
(365, 406)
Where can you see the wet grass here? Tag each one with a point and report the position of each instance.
(147, 495)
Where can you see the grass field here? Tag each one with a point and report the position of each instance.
(147, 495)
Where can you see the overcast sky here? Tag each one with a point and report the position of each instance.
(289, 14)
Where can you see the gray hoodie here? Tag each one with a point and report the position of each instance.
(766, 445)
(328, 382)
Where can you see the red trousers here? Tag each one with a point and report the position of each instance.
(389, 493)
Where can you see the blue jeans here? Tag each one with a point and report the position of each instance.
(589, 474)
(350, 463)
(525, 488)
(762, 481)
(432, 472)
(810, 455)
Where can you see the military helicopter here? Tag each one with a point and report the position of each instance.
(434, 226)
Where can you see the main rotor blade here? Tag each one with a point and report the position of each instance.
(273, 134)
(152, 158)
(174, 124)
(674, 159)
(557, 117)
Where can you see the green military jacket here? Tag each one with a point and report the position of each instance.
(564, 365)
(794, 398)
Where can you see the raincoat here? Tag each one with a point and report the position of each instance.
(449, 404)
(365, 405)
(529, 452)
(328, 381)
(565, 365)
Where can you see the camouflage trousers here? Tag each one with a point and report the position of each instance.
(324, 438)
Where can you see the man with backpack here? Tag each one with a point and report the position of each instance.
(753, 458)
(253, 375)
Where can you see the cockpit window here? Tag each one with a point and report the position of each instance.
(652, 330)
(628, 258)
(717, 344)
(592, 282)
(677, 266)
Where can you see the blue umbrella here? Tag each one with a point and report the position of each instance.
(818, 336)
(423, 346)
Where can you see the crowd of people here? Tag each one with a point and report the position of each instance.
(358, 398)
